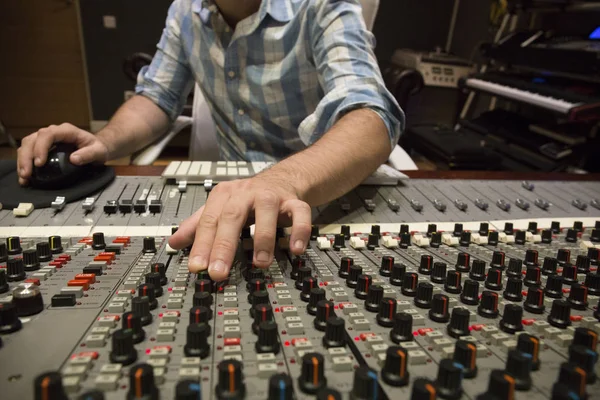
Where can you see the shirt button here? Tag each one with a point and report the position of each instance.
(252, 144)
(231, 74)
(227, 29)
(241, 112)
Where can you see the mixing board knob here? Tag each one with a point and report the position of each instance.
(583, 264)
(424, 295)
(534, 302)
(404, 240)
(159, 268)
(316, 295)
(409, 285)
(553, 287)
(196, 340)
(335, 333)
(255, 285)
(515, 268)
(501, 386)
(49, 386)
(397, 275)
(555, 226)
(309, 283)
(123, 351)
(439, 308)
(571, 236)
(354, 273)
(532, 227)
(324, 312)
(3, 281)
(339, 242)
(592, 282)
(488, 306)
(509, 228)
(154, 278)
(531, 258)
(438, 273)
(569, 274)
(563, 256)
(257, 273)
(493, 238)
(595, 235)
(55, 244)
(303, 272)
(465, 239)
(549, 266)
(498, 259)
(520, 237)
(312, 375)
(365, 386)
(578, 226)
(470, 293)
(345, 230)
(141, 383)
(314, 232)
(363, 285)
(484, 228)
(585, 337)
(147, 290)
(512, 317)
(449, 380)
(262, 312)
(459, 323)
(386, 265)
(260, 297)
(345, 264)
(205, 299)
(494, 279)
(9, 320)
(458, 229)
(267, 338)
(514, 286)
(571, 383)
(132, 321)
(436, 240)
(395, 371)
(3, 252)
(299, 262)
(374, 297)
(546, 236)
(453, 282)
(465, 353)
(426, 264)
(204, 285)
(518, 365)
(586, 359)
(141, 306)
(463, 261)
(423, 389)
(372, 242)
(431, 229)
(92, 395)
(560, 314)
(281, 387)
(149, 245)
(533, 277)
(402, 330)
(13, 245)
(30, 260)
(529, 344)
(98, 242)
(188, 389)
(28, 300)
(578, 297)
(404, 228)
(387, 310)
(477, 270)
(15, 270)
(200, 314)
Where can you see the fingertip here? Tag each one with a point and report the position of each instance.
(23, 182)
(38, 162)
(76, 159)
(218, 270)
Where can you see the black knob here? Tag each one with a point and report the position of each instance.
(595, 235)
(578, 297)
(586, 359)
(155, 279)
(488, 305)
(159, 268)
(386, 266)
(314, 232)
(328, 394)
(397, 276)
(458, 229)
(438, 272)
(345, 230)
(4, 252)
(436, 240)
(28, 300)
(534, 302)
(493, 238)
(312, 374)
(560, 314)
(533, 277)
(569, 274)
(513, 290)
(439, 308)
(509, 228)
(325, 311)
(339, 242)
(203, 285)
(363, 285)
(512, 317)
(149, 245)
(555, 226)
(188, 389)
(257, 273)
(426, 264)
(204, 299)
(374, 297)
(424, 295)
(470, 293)
(477, 271)
(465, 354)
(498, 258)
(231, 381)
(30, 260)
(141, 383)
(585, 337)
(98, 242)
(518, 365)
(335, 333)
(592, 282)
(571, 236)
(501, 386)
(345, 264)
(571, 381)
(3, 281)
(13, 245)
(529, 344)
(409, 285)
(267, 341)
(200, 314)
(353, 275)
(549, 266)
(465, 239)
(463, 261)
(132, 321)
(365, 385)
(578, 226)
(423, 389)
(484, 228)
(515, 268)
(520, 237)
(372, 242)
(262, 312)
(15, 270)
(553, 287)
(593, 254)
(395, 368)
(316, 295)
(281, 387)
(55, 244)
(449, 380)
(563, 256)
(494, 279)
(387, 310)
(404, 240)
(431, 229)
(582, 263)
(123, 351)
(402, 330)
(141, 306)
(531, 258)
(404, 228)
(148, 290)
(9, 320)
(532, 227)
(459, 323)
(453, 282)
(309, 283)
(375, 230)
(49, 386)
(298, 262)
(546, 236)
(259, 297)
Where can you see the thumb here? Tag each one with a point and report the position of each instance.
(88, 154)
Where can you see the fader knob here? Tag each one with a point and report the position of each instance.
(477, 271)
(514, 286)
(549, 266)
(281, 387)
(501, 386)
(395, 368)
(529, 344)
(9, 320)
(30, 260)
(423, 389)
(534, 302)
(230, 384)
(465, 353)
(498, 259)
(585, 337)
(267, 341)
(49, 386)
(563, 256)
(262, 312)
(531, 258)
(335, 333)
(553, 287)
(28, 300)
(488, 306)
(512, 317)
(533, 277)
(345, 264)
(438, 272)
(424, 295)
(386, 266)
(200, 314)
(372, 242)
(387, 310)
(15, 270)
(159, 268)
(148, 290)
(325, 311)
(363, 286)
(352, 279)
(154, 279)
(592, 282)
(149, 245)
(518, 365)
(374, 298)
(204, 285)
(55, 244)
(560, 314)
(494, 279)
(582, 263)
(571, 236)
(578, 297)
(459, 323)
(3, 281)
(13, 245)
(309, 283)
(453, 282)
(365, 385)
(439, 308)
(312, 374)
(141, 306)
(426, 264)
(397, 276)
(463, 261)
(402, 330)
(586, 359)
(470, 293)
(299, 262)
(132, 321)
(316, 295)
(569, 274)
(515, 268)
(123, 351)
(449, 379)
(572, 378)
(4, 252)
(188, 389)
(409, 285)
(98, 242)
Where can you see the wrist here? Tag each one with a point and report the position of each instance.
(280, 178)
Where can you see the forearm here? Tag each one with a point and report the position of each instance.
(347, 154)
(136, 124)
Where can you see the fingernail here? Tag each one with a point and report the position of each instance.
(218, 267)
(76, 159)
(21, 171)
(197, 262)
(299, 244)
(262, 256)
(38, 161)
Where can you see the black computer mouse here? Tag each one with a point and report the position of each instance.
(58, 172)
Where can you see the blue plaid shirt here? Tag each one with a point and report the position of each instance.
(278, 82)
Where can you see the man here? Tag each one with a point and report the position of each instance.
(289, 80)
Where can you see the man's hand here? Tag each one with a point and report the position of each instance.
(215, 228)
(34, 148)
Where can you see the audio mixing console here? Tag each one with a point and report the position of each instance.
(429, 289)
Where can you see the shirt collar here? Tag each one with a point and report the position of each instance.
(280, 10)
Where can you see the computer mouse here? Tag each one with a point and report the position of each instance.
(58, 172)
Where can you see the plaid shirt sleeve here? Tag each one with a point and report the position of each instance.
(342, 49)
(168, 80)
